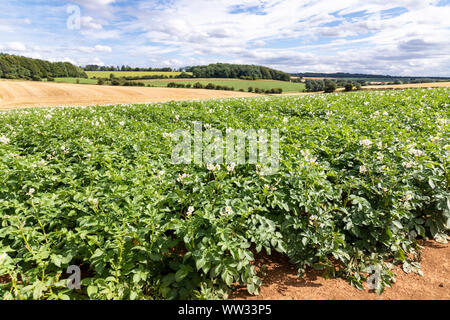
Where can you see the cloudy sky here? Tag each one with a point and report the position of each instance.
(396, 37)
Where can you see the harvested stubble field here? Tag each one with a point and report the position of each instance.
(19, 94)
(410, 85)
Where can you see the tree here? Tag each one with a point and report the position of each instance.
(348, 86)
(17, 67)
(225, 70)
(362, 82)
(329, 86)
(309, 86)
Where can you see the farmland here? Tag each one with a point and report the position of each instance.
(76, 80)
(362, 177)
(119, 74)
(235, 83)
(20, 94)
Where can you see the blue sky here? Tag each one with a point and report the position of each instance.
(407, 37)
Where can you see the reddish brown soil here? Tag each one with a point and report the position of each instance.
(281, 281)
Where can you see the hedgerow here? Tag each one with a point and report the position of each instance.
(363, 177)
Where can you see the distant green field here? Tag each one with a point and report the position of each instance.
(118, 74)
(236, 83)
(369, 79)
(74, 80)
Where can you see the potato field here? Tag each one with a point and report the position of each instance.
(362, 177)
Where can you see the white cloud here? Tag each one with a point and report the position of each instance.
(100, 48)
(101, 34)
(6, 28)
(90, 60)
(89, 23)
(66, 59)
(97, 48)
(14, 46)
(378, 36)
(94, 3)
(259, 43)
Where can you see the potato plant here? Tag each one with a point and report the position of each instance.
(363, 176)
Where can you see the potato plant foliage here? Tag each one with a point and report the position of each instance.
(363, 176)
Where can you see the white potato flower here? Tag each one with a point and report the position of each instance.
(190, 211)
(93, 201)
(212, 167)
(366, 143)
(182, 177)
(4, 140)
(228, 211)
(231, 167)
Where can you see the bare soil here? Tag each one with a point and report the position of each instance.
(282, 283)
(22, 94)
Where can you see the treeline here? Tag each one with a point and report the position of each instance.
(329, 85)
(182, 75)
(419, 80)
(339, 75)
(404, 79)
(119, 82)
(146, 77)
(94, 67)
(237, 71)
(218, 70)
(18, 67)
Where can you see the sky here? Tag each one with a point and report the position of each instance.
(394, 37)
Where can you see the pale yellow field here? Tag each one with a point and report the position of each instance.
(385, 87)
(22, 94)
(411, 85)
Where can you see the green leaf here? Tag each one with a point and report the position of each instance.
(397, 224)
(92, 291)
(181, 274)
(200, 263)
